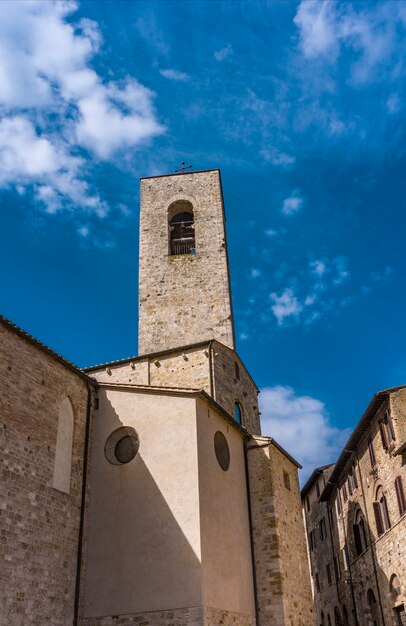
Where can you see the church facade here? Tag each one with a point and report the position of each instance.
(142, 491)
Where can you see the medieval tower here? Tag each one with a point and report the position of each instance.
(184, 287)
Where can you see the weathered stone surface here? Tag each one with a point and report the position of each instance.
(39, 524)
(385, 555)
(282, 576)
(183, 299)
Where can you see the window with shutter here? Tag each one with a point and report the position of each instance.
(357, 539)
(385, 513)
(371, 452)
(400, 494)
(378, 518)
(383, 435)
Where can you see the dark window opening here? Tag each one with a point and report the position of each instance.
(238, 413)
(286, 480)
(328, 570)
(400, 494)
(237, 371)
(381, 512)
(360, 539)
(371, 452)
(182, 232)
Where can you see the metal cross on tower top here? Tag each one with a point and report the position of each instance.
(182, 168)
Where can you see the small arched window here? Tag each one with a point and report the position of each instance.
(346, 620)
(328, 620)
(373, 608)
(322, 621)
(337, 617)
(394, 588)
(381, 512)
(238, 412)
(360, 539)
(63, 450)
(181, 228)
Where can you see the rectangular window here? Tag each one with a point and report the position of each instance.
(349, 482)
(337, 571)
(328, 570)
(389, 427)
(317, 581)
(344, 490)
(237, 371)
(307, 503)
(378, 517)
(371, 453)
(318, 489)
(383, 435)
(400, 494)
(354, 477)
(322, 529)
(286, 480)
(312, 539)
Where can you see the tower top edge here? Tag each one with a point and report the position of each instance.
(216, 169)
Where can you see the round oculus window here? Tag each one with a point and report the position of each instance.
(122, 446)
(222, 450)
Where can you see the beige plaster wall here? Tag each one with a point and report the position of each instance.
(225, 535)
(144, 537)
(183, 299)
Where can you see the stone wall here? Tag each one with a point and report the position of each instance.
(320, 553)
(184, 298)
(228, 382)
(40, 525)
(384, 555)
(282, 574)
(195, 616)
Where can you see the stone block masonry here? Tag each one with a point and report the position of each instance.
(183, 298)
(195, 616)
(39, 524)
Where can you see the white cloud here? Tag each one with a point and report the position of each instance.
(29, 159)
(292, 205)
(172, 74)
(276, 157)
(317, 27)
(285, 305)
(255, 273)
(318, 267)
(54, 104)
(225, 52)
(84, 231)
(243, 336)
(325, 27)
(301, 424)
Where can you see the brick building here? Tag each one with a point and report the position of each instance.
(142, 491)
(361, 500)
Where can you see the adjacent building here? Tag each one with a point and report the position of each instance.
(355, 517)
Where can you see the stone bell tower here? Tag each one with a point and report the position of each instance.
(184, 285)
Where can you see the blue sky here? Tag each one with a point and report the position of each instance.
(302, 107)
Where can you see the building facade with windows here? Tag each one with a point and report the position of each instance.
(364, 503)
(142, 491)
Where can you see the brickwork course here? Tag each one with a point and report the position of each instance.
(368, 582)
(186, 350)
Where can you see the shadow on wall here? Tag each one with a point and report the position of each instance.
(366, 596)
(139, 559)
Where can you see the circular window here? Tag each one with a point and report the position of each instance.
(122, 446)
(222, 450)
